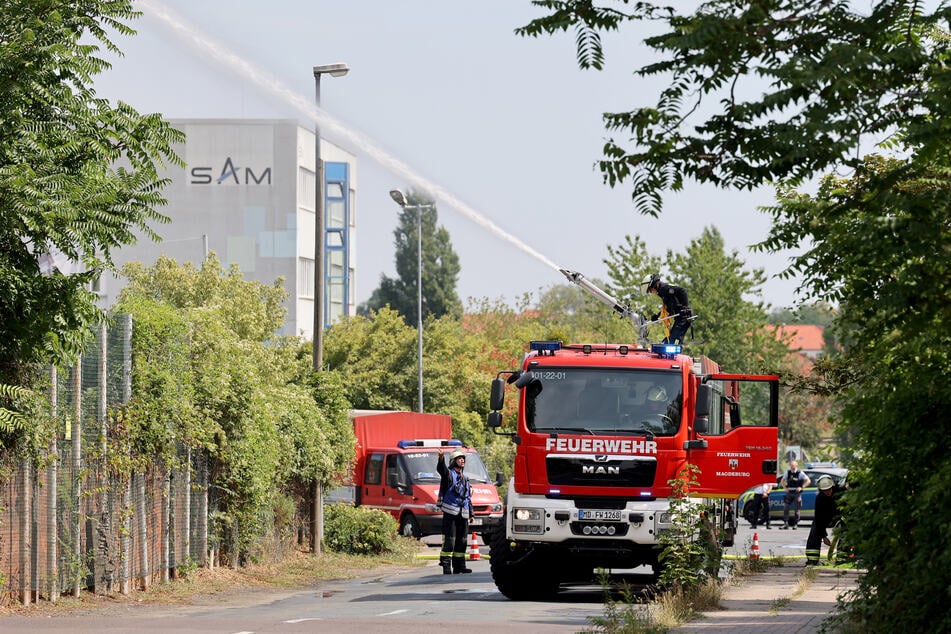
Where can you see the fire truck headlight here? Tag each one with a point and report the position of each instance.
(496, 508)
(528, 520)
(524, 515)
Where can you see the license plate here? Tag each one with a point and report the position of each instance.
(599, 515)
(475, 521)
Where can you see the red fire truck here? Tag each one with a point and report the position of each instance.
(601, 429)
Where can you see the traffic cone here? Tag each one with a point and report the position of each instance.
(754, 551)
(474, 554)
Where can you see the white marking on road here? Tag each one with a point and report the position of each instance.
(393, 612)
(310, 618)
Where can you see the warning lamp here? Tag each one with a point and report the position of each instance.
(666, 350)
(545, 346)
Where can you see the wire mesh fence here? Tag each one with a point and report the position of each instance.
(68, 523)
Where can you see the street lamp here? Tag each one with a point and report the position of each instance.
(401, 200)
(334, 70)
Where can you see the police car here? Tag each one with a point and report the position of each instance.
(814, 471)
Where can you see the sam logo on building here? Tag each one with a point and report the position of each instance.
(229, 174)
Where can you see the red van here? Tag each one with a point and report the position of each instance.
(395, 470)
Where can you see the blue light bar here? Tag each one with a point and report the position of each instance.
(545, 346)
(666, 349)
(405, 444)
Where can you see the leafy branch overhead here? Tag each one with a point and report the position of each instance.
(760, 92)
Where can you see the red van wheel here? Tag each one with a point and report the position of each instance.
(410, 527)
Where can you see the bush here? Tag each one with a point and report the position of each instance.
(359, 530)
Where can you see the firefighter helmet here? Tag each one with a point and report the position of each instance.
(657, 393)
(458, 453)
(825, 483)
(652, 282)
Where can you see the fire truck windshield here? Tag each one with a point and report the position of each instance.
(601, 401)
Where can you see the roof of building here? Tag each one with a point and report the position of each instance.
(803, 337)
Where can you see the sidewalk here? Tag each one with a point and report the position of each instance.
(775, 601)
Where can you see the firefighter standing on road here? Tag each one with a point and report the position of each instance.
(676, 306)
(827, 513)
(456, 511)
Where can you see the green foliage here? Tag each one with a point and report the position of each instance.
(25, 422)
(376, 358)
(11, 419)
(440, 267)
(880, 246)
(359, 531)
(760, 92)
(209, 373)
(78, 176)
(816, 313)
(690, 552)
(623, 615)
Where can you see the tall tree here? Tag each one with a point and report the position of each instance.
(78, 176)
(880, 244)
(440, 267)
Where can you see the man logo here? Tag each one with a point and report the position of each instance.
(600, 470)
(734, 463)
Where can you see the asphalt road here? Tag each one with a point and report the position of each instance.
(420, 600)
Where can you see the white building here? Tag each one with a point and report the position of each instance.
(247, 193)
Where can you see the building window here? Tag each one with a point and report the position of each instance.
(305, 278)
(335, 190)
(336, 212)
(336, 263)
(306, 189)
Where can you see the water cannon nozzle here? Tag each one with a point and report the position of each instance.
(571, 275)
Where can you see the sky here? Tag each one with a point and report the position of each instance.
(442, 96)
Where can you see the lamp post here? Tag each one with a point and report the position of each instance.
(334, 70)
(400, 198)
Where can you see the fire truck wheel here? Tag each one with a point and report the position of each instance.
(409, 527)
(518, 574)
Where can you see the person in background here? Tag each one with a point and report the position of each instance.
(761, 499)
(827, 514)
(676, 306)
(456, 511)
(794, 481)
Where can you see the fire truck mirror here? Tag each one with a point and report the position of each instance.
(494, 420)
(496, 396)
(700, 424)
(704, 393)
